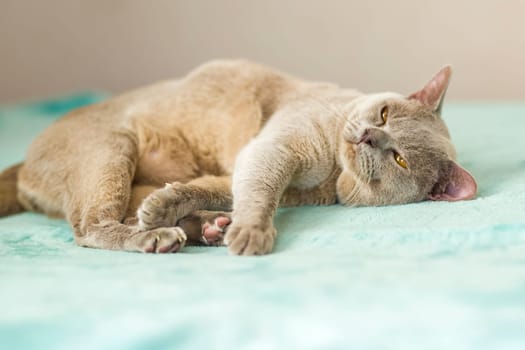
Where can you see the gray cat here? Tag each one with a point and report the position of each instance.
(232, 135)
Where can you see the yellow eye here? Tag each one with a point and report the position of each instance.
(402, 163)
(384, 114)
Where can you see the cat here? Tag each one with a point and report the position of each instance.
(209, 158)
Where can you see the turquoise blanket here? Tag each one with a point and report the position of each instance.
(430, 275)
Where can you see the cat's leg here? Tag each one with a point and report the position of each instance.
(164, 207)
(98, 205)
(263, 170)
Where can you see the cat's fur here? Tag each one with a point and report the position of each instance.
(232, 127)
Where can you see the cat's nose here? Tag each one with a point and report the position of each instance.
(374, 138)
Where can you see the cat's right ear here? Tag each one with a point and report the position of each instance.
(433, 93)
(454, 184)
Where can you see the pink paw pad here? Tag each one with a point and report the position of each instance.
(213, 232)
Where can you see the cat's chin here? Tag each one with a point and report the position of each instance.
(349, 189)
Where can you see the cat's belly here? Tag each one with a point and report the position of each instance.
(157, 167)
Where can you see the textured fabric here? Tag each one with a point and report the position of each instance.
(420, 276)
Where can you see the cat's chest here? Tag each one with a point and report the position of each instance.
(323, 175)
(319, 192)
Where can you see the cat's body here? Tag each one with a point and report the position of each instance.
(283, 140)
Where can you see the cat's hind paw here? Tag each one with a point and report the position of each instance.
(206, 227)
(213, 233)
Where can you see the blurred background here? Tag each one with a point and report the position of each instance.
(56, 47)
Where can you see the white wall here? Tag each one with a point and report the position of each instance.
(59, 46)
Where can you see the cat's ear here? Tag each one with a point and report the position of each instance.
(454, 184)
(433, 93)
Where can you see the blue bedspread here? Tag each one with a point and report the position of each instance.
(419, 276)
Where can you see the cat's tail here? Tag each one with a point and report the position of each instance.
(8, 191)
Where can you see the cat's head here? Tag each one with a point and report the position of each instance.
(397, 149)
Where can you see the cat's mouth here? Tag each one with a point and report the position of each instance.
(358, 161)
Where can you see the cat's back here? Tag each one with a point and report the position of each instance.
(212, 90)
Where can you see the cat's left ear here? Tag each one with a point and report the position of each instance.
(434, 91)
(454, 184)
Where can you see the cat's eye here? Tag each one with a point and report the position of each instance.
(384, 114)
(400, 160)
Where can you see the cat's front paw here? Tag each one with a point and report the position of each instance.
(164, 207)
(250, 239)
(161, 240)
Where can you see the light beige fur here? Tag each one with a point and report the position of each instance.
(178, 143)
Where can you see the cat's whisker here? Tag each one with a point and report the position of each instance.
(354, 194)
(349, 198)
(362, 166)
(366, 168)
(370, 168)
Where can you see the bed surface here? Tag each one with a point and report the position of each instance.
(430, 275)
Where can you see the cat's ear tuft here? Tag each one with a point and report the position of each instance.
(433, 93)
(454, 184)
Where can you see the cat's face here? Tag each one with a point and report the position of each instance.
(397, 149)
